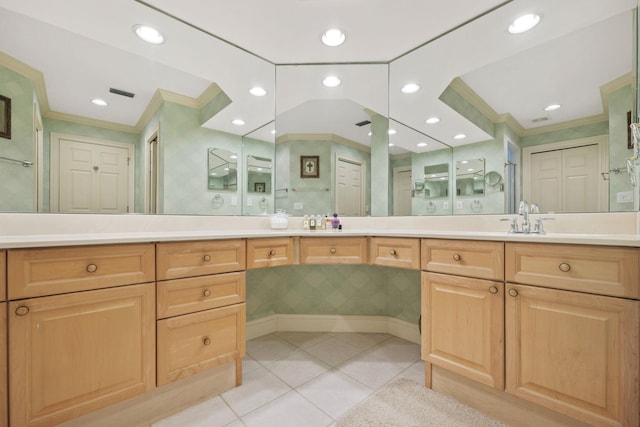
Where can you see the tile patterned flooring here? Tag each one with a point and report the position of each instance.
(305, 379)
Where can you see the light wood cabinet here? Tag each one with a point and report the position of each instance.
(47, 271)
(395, 252)
(72, 354)
(574, 353)
(194, 342)
(188, 259)
(463, 326)
(479, 259)
(333, 250)
(270, 252)
(4, 414)
(3, 275)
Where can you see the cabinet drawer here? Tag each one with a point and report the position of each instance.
(602, 270)
(333, 250)
(189, 259)
(182, 296)
(195, 342)
(46, 271)
(395, 252)
(269, 252)
(3, 275)
(471, 258)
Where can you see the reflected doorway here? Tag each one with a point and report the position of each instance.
(402, 183)
(350, 191)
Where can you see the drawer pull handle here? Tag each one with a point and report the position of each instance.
(564, 267)
(206, 341)
(457, 257)
(206, 258)
(22, 310)
(493, 290)
(272, 252)
(206, 293)
(92, 268)
(332, 250)
(393, 252)
(513, 292)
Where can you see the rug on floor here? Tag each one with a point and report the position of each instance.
(405, 403)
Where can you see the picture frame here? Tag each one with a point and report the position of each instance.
(309, 166)
(259, 187)
(5, 117)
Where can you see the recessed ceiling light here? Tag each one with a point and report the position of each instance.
(421, 144)
(238, 122)
(369, 134)
(99, 102)
(233, 156)
(524, 23)
(464, 162)
(257, 91)
(391, 144)
(470, 170)
(392, 131)
(331, 81)
(273, 131)
(552, 107)
(333, 37)
(460, 136)
(148, 34)
(410, 88)
(432, 120)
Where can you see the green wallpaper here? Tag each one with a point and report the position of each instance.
(334, 290)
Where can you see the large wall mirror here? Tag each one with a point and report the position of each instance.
(373, 148)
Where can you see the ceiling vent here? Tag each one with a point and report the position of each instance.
(122, 92)
(363, 123)
(540, 119)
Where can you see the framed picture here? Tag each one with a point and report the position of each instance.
(309, 166)
(259, 187)
(5, 117)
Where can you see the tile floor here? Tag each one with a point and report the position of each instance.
(305, 379)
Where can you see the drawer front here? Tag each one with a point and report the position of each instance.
(195, 342)
(471, 258)
(270, 252)
(182, 296)
(189, 259)
(333, 250)
(395, 252)
(602, 270)
(47, 271)
(3, 275)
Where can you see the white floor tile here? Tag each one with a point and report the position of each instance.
(333, 351)
(361, 340)
(210, 413)
(249, 364)
(334, 392)
(371, 371)
(258, 387)
(304, 339)
(290, 410)
(414, 372)
(297, 368)
(269, 348)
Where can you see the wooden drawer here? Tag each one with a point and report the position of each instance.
(395, 252)
(189, 259)
(3, 276)
(270, 252)
(195, 342)
(471, 258)
(333, 250)
(182, 296)
(47, 271)
(602, 270)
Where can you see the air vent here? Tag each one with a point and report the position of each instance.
(540, 119)
(363, 123)
(122, 92)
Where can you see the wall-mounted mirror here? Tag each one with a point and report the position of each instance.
(470, 177)
(259, 177)
(436, 181)
(222, 170)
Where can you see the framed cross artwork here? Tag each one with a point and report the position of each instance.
(309, 166)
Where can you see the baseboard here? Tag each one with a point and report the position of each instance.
(332, 323)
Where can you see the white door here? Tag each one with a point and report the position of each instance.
(566, 180)
(92, 176)
(349, 189)
(402, 183)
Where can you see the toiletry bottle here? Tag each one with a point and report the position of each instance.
(305, 222)
(323, 223)
(335, 222)
(327, 222)
(312, 222)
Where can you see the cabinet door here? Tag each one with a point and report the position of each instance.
(463, 328)
(72, 354)
(574, 353)
(4, 420)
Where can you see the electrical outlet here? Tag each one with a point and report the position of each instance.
(445, 205)
(234, 201)
(459, 205)
(249, 201)
(298, 206)
(624, 197)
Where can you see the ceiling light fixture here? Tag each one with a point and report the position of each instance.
(552, 107)
(460, 136)
(148, 34)
(391, 144)
(238, 122)
(410, 88)
(432, 120)
(333, 37)
(331, 81)
(257, 91)
(422, 144)
(392, 131)
(99, 102)
(524, 23)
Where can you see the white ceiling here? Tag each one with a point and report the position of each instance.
(88, 46)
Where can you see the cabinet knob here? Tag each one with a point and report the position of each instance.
(206, 341)
(22, 310)
(493, 290)
(393, 252)
(457, 257)
(206, 293)
(332, 250)
(92, 268)
(513, 292)
(206, 258)
(272, 252)
(564, 267)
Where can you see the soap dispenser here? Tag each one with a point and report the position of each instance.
(335, 222)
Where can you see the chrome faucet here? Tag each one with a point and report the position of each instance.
(524, 209)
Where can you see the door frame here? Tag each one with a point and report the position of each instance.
(602, 141)
(363, 176)
(396, 187)
(151, 187)
(54, 190)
